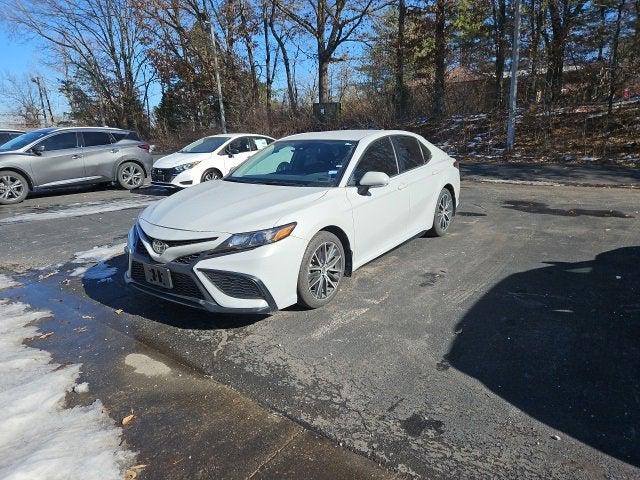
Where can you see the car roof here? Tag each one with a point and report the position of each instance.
(347, 135)
(10, 130)
(235, 135)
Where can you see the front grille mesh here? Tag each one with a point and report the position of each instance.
(234, 285)
(183, 284)
(187, 259)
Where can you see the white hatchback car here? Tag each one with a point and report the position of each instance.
(288, 224)
(209, 158)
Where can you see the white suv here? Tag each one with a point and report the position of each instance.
(209, 158)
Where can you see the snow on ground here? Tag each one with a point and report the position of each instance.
(39, 438)
(7, 282)
(78, 210)
(98, 256)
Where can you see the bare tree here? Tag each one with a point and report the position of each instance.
(21, 98)
(331, 24)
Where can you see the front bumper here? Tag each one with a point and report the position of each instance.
(169, 178)
(258, 281)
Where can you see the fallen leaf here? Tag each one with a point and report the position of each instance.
(86, 316)
(132, 472)
(128, 419)
(45, 335)
(119, 311)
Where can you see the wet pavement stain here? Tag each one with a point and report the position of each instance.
(542, 208)
(442, 365)
(416, 424)
(429, 279)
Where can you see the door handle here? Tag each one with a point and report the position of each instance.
(115, 150)
(402, 186)
(75, 157)
(435, 172)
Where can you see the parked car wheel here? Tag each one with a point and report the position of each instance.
(130, 175)
(321, 270)
(209, 175)
(13, 187)
(443, 215)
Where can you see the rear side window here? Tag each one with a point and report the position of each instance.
(379, 157)
(93, 139)
(426, 152)
(126, 136)
(60, 141)
(408, 152)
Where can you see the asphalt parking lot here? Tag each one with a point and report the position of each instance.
(508, 349)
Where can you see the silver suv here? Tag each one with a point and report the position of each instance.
(60, 157)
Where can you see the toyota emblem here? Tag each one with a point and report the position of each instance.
(159, 246)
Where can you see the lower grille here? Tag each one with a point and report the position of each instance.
(187, 259)
(234, 285)
(163, 174)
(183, 284)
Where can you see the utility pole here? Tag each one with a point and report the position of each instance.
(223, 121)
(513, 90)
(46, 97)
(36, 80)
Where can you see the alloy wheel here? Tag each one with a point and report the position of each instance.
(445, 211)
(212, 175)
(325, 270)
(11, 188)
(132, 175)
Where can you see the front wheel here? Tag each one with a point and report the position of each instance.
(130, 175)
(443, 215)
(13, 187)
(321, 270)
(211, 175)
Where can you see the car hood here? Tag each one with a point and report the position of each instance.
(178, 158)
(229, 207)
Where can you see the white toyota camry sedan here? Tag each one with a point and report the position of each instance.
(288, 224)
(209, 158)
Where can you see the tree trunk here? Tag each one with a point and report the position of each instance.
(500, 45)
(267, 47)
(401, 97)
(440, 60)
(291, 89)
(323, 76)
(613, 64)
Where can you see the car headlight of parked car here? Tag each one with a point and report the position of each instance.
(185, 166)
(245, 241)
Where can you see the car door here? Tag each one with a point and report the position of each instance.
(239, 150)
(58, 160)
(379, 214)
(416, 173)
(100, 155)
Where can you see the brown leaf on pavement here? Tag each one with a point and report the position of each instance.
(128, 419)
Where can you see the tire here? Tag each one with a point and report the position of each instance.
(13, 187)
(443, 215)
(130, 175)
(316, 294)
(211, 174)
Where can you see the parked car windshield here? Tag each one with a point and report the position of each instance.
(305, 163)
(205, 145)
(24, 140)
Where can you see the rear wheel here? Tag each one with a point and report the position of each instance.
(130, 175)
(321, 270)
(443, 214)
(13, 187)
(209, 175)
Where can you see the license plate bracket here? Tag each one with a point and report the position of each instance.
(159, 276)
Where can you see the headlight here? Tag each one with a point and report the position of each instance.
(243, 241)
(185, 166)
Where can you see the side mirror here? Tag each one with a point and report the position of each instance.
(38, 149)
(374, 179)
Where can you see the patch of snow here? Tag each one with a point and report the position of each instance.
(516, 182)
(39, 438)
(81, 388)
(7, 282)
(100, 271)
(79, 210)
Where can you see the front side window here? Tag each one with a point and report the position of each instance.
(262, 142)
(94, 139)
(60, 141)
(241, 145)
(408, 152)
(379, 157)
(205, 145)
(305, 163)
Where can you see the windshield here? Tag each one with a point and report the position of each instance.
(304, 163)
(24, 140)
(205, 145)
